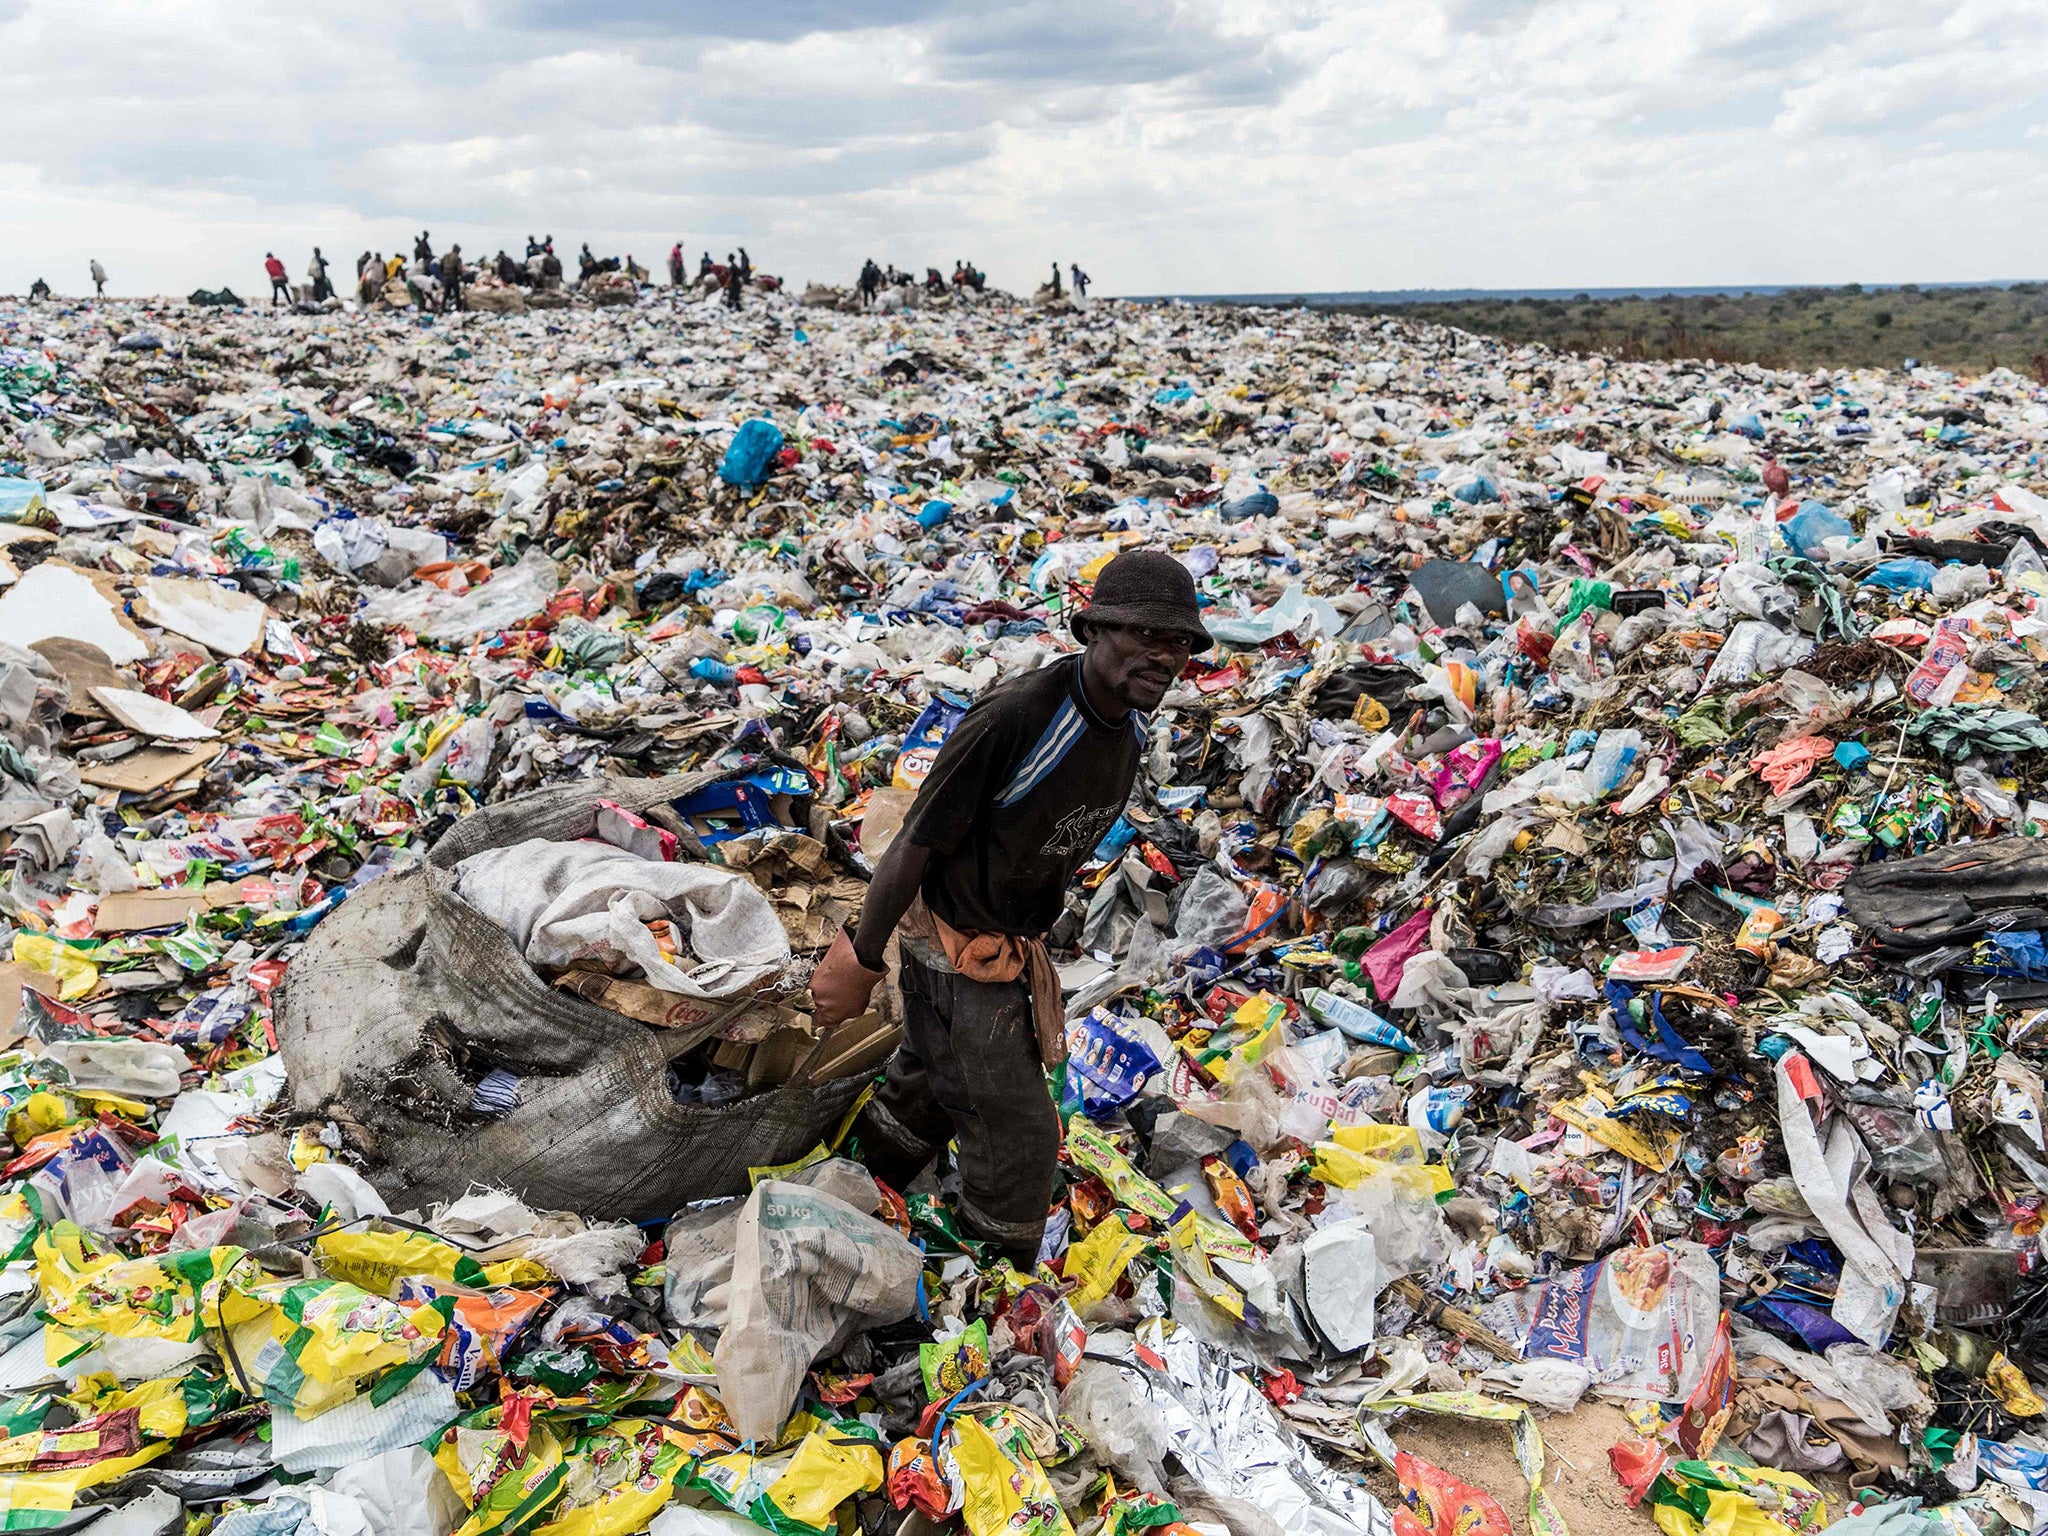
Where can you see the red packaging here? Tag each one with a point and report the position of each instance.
(1434, 1503)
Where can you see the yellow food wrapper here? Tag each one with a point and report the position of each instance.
(502, 1487)
(1004, 1496)
(18, 1226)
(1196, 1262)
(377, 1261)
(311, 1345)
(76, 975)
(167, 1406)
(1241, 1059)
(34, 1500)
(1097, 1263)
(1397, 1144)
(1092, 1152)
(1796, 1505)
(1339, 1165)
(2013, 1389)
(829, 1469)
(616, 1480)
(1655, 1145)
(175, 1296)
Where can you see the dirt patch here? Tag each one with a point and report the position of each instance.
(1575, 1467)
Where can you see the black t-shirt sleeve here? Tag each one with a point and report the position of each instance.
(972, 763)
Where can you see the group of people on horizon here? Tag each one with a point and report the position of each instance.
(436, 283)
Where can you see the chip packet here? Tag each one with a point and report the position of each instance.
(951, 1365)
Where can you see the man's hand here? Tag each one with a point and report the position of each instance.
(841, 985)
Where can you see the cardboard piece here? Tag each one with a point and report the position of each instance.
(152, 716)
(853, 1049)
(13, 977)
(226, 620)
(56, 599)
(84, 667)
(151, 769)
(132, 911)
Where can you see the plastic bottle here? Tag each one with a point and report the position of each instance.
(714, 671)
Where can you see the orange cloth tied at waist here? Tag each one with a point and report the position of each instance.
(1001, 957)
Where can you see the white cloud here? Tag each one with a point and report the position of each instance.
(1168, 145)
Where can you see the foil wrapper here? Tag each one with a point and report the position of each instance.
(1230, 1441)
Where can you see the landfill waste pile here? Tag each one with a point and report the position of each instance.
(1575, 946)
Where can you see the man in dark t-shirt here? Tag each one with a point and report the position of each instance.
(1017, 799)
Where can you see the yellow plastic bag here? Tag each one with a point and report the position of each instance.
(76, 975)
(829, 1468)
(174, 1296)
(310, 1345)
(1005, 1494)
(503, 1487)
(377, 1261)
(1339, 1165)
(1097, 1263)
(18, 1227)
(169, 1406)
(1397, 1144)
(616, 1480)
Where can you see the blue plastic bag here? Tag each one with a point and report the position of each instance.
(1902, 576)
(1807, 530)
(752, 450)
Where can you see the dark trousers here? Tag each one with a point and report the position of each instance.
(969, 1071)
(280, 289)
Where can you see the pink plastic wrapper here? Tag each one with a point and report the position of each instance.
(1462, 770)
(1385, 961)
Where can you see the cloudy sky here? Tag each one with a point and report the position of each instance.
(1209, 146)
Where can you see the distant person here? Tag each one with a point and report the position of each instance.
(735, 280)
(1081, 281)
(369, 277)
(705, 266)
(746, 266)
(532, 247)
(507, 269)
(280, 283)
(934, 282)
(99, 279)
(870, 282)
(38, 290)
(1057, 291)
(676, 264)
(422, 250)
(316, 269)
(452, 276)
(422, 283)
(394, 267)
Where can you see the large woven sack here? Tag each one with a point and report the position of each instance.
(406, 996)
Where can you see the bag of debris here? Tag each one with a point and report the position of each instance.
(809, 1272)
(413, 1022)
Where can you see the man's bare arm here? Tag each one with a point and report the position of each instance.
(890, 894)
